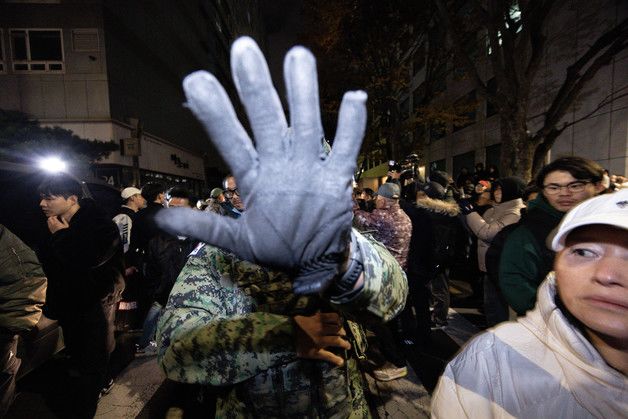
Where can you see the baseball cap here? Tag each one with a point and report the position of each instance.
(610, 209)
(129, 192)
(215, 193)
(389, 190)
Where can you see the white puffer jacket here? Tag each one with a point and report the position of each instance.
(538, 367)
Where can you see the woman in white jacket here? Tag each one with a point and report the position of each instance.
(507, 193)
(568, 357)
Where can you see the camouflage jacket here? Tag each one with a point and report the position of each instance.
(390, 225)
(228, 323)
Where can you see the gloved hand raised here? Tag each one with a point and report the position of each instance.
(298, 198)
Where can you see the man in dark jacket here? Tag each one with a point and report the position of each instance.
(144, 229)
(83, 261)
(525, 259)
(165, 257)
(443, 217)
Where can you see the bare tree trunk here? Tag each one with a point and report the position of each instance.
(517, 150)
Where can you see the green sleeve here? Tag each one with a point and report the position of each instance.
(519, 268)
(385, 285)
(209, 332)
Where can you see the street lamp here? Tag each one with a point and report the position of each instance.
(52, 164)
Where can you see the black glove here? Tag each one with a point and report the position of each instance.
(285, 225)
(466, 206)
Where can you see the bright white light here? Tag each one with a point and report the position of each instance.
(52, 164)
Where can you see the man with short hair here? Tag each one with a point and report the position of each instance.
(233, 205)
(165, 256)
(83, 261)
(133, 202)
(525, 259)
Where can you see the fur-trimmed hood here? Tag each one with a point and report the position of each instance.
(438, 206)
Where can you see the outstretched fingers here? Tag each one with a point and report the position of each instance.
(210, 103)
(302, 90)
(259, 97)
(350, 131)
(205, 226)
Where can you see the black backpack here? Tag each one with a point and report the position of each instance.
(445, 238)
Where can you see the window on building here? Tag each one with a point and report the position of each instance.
(437, 131)
(515, 18)
(491, 86)
(466, 108)
(417, 96)
(2, 61)
(404, 108)
(37, 50)
(418, 61)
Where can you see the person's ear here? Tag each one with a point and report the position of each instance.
(73, 199)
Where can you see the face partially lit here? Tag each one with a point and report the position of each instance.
(565, 200)
(592, 279)
(54, 205)
(178, 202)
(497, 194)
(233, 194)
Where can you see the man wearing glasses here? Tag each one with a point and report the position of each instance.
(526, 259)
(234, 207)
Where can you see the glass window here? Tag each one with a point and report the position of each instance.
(37, 50)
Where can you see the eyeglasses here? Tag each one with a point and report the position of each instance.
(230, 192)
(573, 187)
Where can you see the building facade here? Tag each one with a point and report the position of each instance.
(600, 134)
(112, 70)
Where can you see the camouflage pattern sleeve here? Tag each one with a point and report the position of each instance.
(209, 332)
(385, 285)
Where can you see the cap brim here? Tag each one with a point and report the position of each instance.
(558, 242)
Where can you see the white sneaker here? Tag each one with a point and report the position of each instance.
(149, 350)
(389, 374)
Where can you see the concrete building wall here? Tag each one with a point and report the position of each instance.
(600, 134)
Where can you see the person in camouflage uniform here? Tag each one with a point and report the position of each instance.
(231, 323)
(262, 310)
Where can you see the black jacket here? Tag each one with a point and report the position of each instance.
(144, 226)
(83, 262)
(165, 257)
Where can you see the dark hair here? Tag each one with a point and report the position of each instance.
(60, 185)
(370, 192)
(151, 191)
(179, 192)
(529, 190)
(578, 167)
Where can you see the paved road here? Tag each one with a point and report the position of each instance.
(140, 390)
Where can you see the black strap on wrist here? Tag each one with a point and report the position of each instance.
(344, 283)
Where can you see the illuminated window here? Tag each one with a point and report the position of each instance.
(37, 50)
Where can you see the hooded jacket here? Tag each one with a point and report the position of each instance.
(526, 260)
(433, 215)
(539, 366)
(486, 226)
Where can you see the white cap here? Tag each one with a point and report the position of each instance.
(129, 192)
(610, 209)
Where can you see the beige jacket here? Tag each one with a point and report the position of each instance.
(494, 219)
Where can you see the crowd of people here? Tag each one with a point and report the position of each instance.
(260, 296)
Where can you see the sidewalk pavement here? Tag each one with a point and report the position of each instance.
(142, 380)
